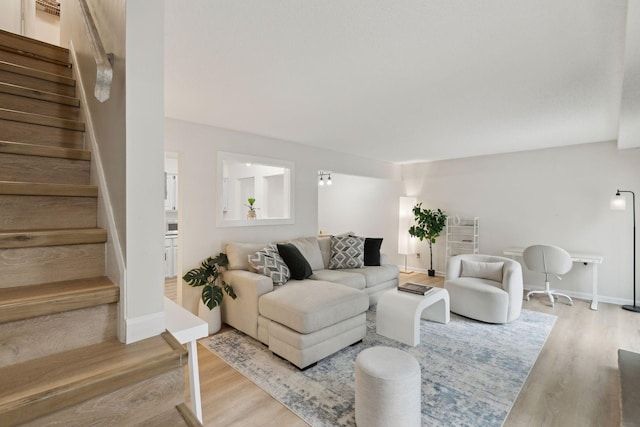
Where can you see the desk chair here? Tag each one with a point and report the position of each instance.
(548, 259)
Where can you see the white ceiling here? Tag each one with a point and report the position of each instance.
(400, 80)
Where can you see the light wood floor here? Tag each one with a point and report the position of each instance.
(573, 383)
(170, 289)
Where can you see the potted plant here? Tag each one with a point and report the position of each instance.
(207, 276)
(251, 214)
(430, 224)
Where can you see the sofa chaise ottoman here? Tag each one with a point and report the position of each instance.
(309, 320)
(303, 321)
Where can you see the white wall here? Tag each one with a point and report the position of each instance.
(198, 144)
(629, 132)
(366, 206)
(10, 16)
(108, 118)
(41, 25)
(126, 135)
(144, 169)
(557, 196)
(37, 24)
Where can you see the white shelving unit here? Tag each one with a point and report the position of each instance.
(463, 236)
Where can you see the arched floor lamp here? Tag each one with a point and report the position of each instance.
(618, 202)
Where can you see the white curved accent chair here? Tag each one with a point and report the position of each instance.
(484, 287)
(548, 259)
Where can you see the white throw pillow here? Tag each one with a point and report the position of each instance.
(325, 249)
(310, 250)
(482, 270)
(238, 253)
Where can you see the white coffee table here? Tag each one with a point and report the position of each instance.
(398, 314)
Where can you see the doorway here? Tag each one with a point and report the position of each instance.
(171, 225)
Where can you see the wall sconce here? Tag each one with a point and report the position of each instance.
(324, 177)
(618, 202)
(405, 221)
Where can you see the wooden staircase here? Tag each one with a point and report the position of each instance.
(60, 360)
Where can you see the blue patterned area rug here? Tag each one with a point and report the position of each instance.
(472, 372)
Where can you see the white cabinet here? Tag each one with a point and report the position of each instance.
(463, 236)
(170, 256)
(171, 192)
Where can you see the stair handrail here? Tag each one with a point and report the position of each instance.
(104, 69)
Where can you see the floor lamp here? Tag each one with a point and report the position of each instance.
(405, 220)
(618, 202)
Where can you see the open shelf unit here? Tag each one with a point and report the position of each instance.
(463, 236)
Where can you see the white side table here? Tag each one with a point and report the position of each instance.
(187, 328)
(399, 313)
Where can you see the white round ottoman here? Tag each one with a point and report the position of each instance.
(388, 388)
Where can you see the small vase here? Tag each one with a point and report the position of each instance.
(251, 214)
(212, 317)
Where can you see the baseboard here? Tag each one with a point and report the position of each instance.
(572, 294)
(583, 295)
(139, 328)
(419, 270)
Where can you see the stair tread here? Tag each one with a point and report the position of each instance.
(188, 416)
(39, 74)
(26, 149)
(40, 386)
(34, 387)
(26, 302)
(180, 415)
(22, 295)
(35, 55)
(38, 119)
(51, 237)
(12, 89)
(45, 189)
(32, 45)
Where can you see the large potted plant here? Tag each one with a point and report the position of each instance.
(208, 276)
(429, 225)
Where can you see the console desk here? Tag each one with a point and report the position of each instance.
(187, 328)
(592, 259)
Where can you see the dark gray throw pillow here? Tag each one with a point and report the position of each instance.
(297, 263)
(372, 250)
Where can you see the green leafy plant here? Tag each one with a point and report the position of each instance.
(251, 201)
(429, 225)
(207, 275)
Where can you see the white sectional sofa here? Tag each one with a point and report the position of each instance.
(306, 320)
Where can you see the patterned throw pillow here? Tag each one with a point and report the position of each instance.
(268, 261)
(346, 252)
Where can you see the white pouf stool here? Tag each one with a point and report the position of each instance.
(388, 388)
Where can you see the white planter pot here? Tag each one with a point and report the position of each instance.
(212, 317)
